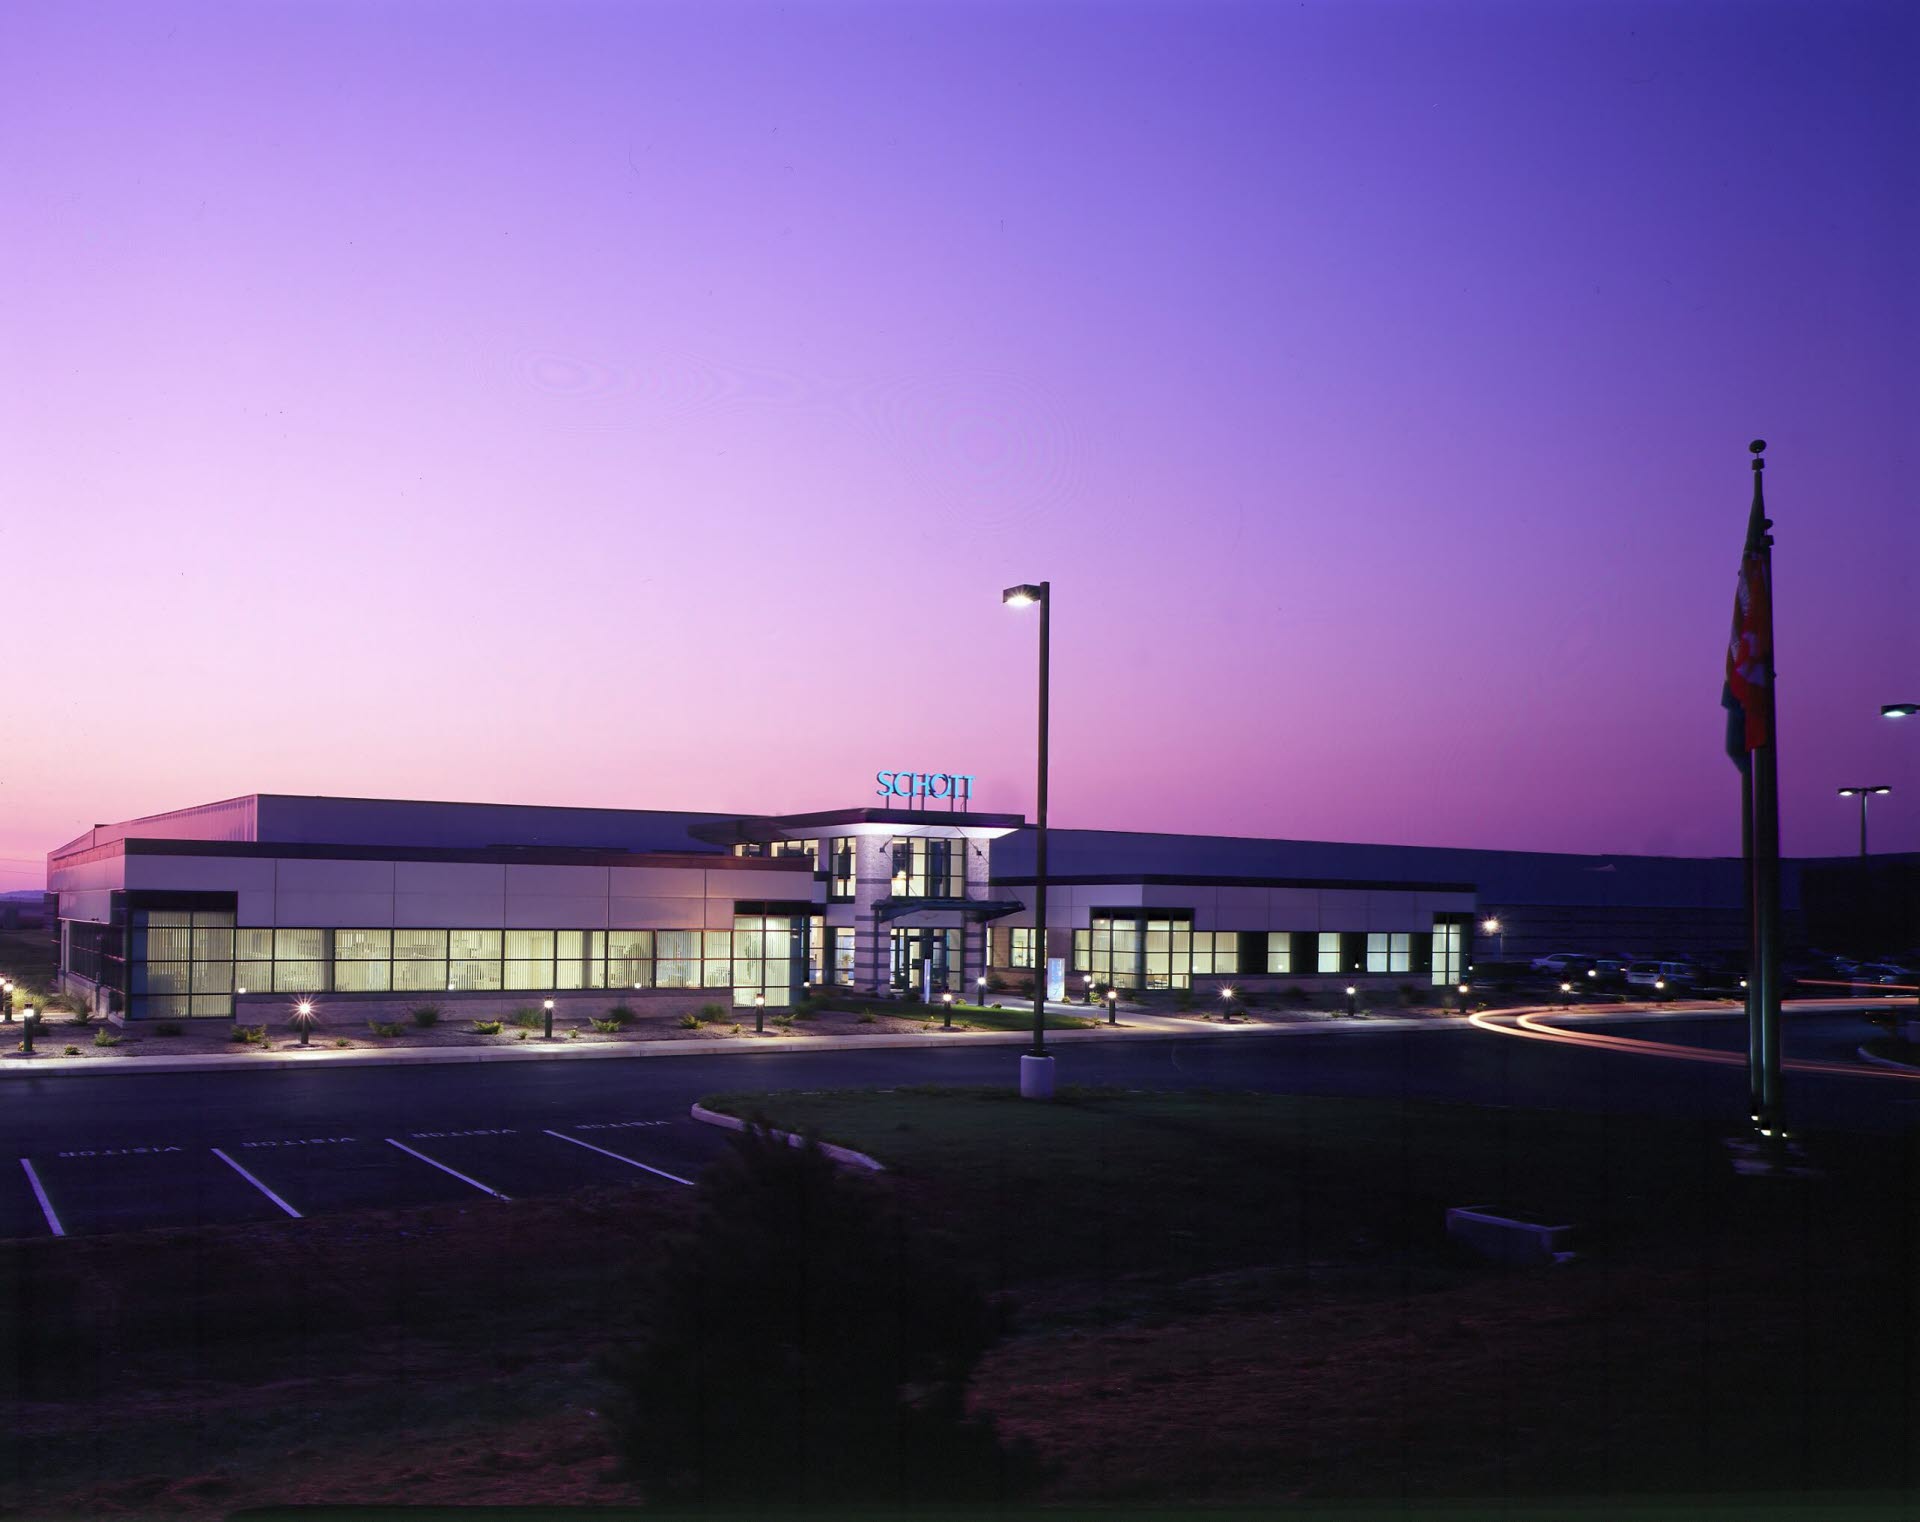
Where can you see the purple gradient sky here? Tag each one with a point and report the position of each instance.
(644, 405)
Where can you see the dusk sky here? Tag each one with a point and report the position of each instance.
(644, 405)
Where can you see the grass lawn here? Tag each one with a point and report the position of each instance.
(1243, 1297)
(982, 1018)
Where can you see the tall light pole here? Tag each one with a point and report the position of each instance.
(1863, 794)
(1036, 1067)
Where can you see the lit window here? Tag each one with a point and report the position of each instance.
(1327, 958)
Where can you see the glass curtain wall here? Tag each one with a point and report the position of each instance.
(192, 962)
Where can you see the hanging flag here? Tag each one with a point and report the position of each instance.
(1748, 694)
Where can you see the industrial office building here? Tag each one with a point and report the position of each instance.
(242, 906)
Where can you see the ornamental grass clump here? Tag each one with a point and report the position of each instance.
(734, 1395)
(713, 1014)
(386, 1028)
(426, 1016)
(527, 1017)
(622, 1014)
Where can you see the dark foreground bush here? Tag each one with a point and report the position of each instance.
(804, 1345)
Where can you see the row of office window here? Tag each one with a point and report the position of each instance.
(1152, 952)
(192, 962)
(839, 868)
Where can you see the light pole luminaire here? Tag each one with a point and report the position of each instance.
(1020, 597)
(1863, 794)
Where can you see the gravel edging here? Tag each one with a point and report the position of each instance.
(843, 1155)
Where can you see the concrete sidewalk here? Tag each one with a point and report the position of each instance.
(1132, 1027)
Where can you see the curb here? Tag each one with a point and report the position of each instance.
(1884, 1062)
(15, 1066)
(843, 1155)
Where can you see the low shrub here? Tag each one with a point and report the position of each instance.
(713, 1014)
(688, 1022)
(106, 1038)
(73, 1051)
(1298, 995)
(342, 1041)
(785, 1022)
(81, 1014)
(384, 1027)
(868, 1018)
(487, 1027)
(622, 1014)
(248, 1035)
(525, 1034)
(169, 1028)
(609, 1027)
(527, 1018)
(426, 1016)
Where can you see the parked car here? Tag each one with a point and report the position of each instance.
(1655, 974)
(1562, 962)
(1881, 972)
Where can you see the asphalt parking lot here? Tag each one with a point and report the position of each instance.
(77, 1189)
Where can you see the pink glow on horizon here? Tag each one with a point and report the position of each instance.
(645, 405)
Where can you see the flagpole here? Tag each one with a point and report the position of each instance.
(1769, 1112)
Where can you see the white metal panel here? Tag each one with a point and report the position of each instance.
(534, 881)
(1343, 909)
(338, 909)
(199, 874)
(659, 913)
(1293, 908)
(656, 882)
(554, 911)
(1239, 909)
(95, 904)
(298, 875)
(1394, 910)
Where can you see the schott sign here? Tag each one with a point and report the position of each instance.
(953, 786)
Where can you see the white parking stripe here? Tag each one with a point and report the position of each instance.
(46, 1205)
(629, 1161)
(256, 1183)
(445, 1169)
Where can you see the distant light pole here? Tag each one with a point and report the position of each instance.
(546, 1009)
(1036, 1067)
(1863, 793)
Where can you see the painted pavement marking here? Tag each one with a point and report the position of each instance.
(629, 1161)
(256, 1183)
(46, 1205)
(484, 1189)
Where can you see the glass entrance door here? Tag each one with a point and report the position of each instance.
(911, 947)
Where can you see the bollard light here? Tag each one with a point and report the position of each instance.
(1566, 993)
(6, 998)
(946, 1000)
(980, 992)
(1113, 1001)
(759, 1014)
(1226, 1003)
(1352, 994)
(1465, 989)
(546, 1008)
(304, 1018)
(29, 1020)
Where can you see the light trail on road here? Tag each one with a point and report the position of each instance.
(1529, 1025)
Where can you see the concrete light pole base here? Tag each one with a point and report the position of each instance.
(1036, 1077)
